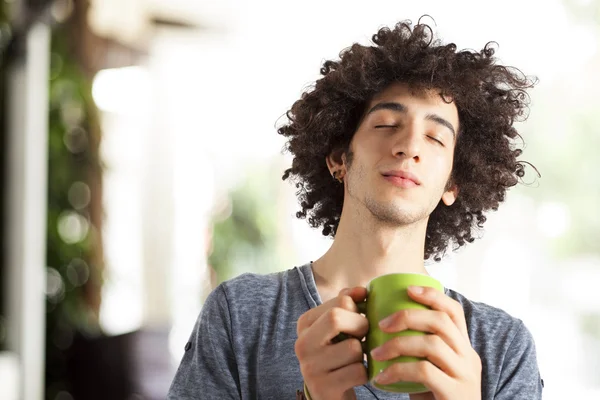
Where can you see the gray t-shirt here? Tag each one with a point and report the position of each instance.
(242, 346)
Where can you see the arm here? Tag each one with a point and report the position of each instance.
(520, 376)
(208, 369)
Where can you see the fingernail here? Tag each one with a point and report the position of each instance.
(345, 292)
(386, 322)
(383, 378)
(377, 352)
(416, 289)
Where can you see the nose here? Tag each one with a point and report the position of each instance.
(408, 141)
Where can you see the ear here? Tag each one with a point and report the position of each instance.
(450, 195)
(336, 160)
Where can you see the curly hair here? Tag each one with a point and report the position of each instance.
(489, 99)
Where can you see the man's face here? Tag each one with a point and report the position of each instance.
(401, 155)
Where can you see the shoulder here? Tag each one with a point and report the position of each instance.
(251, 292)
(250, 285)
(507, 351)
(486, 322)
(254, 280)
(503, 342)
(254, 306)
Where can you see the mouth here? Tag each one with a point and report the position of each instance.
(402, 179)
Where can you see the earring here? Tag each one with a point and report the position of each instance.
(337, 175)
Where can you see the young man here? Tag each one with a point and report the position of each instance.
(419, 140)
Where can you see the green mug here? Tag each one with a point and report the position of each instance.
(387, 294)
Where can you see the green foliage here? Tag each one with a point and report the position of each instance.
(563, 138)
(563, 141)
(245, 231)
(564, 149)
(73, 158)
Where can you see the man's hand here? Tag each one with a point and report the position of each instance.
(330, 369)
(452, 369)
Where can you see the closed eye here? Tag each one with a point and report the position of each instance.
(436, 140)
(386, 126)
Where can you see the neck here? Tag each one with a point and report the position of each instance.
(365, 248)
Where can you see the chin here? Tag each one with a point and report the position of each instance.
(396, 212)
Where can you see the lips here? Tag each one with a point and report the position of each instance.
(405, 178)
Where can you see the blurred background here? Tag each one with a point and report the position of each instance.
(140, 167)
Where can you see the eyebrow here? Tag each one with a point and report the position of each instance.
(401, 108)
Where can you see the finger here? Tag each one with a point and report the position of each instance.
(334, 321)
(358, 293)
(353, 375)
(339, 381)
(346, 299)
(431, 347)
(422, 372)
(441, 302)
(429, 321)
(341, 354)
